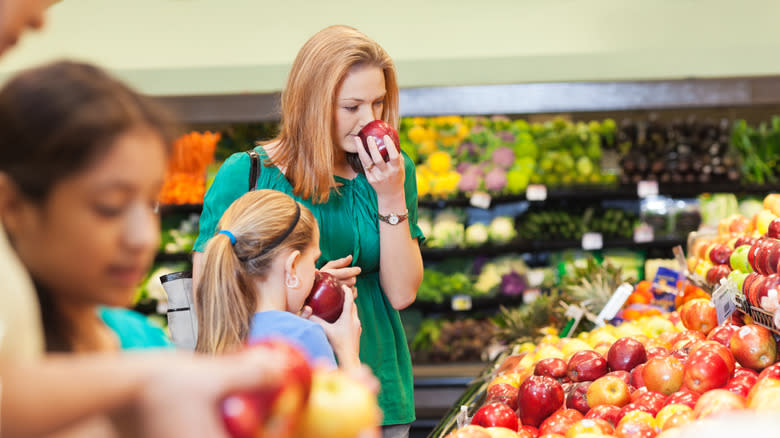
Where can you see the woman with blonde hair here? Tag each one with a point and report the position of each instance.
(258, 272)
(366, 208)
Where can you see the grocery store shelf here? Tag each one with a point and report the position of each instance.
(476, 304)
(621, 192)
(536, 246)
(525, 98)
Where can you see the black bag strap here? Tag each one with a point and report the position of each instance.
(254, 170)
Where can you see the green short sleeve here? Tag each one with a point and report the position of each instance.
(231, 181)
(410, 192)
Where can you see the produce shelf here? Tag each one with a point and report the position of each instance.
(477, 303)
(620, 192)
(536, 246)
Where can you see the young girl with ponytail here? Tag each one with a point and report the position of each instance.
(258, 271)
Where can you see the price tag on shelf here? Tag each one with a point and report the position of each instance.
(646, 189)
(461, 303)
(480, 200)
(723, 298)
(592, 241)
(614, 304)
(643, 233)
(680, 257)
(536, 192)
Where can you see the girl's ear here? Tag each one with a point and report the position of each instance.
(291, 263)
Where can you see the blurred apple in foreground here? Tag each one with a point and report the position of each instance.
(339, 407)
(276, 410)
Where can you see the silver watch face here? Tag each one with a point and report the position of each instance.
(393, 219)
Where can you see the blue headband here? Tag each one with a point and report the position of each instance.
(230, 235)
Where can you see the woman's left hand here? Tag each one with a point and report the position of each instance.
(387, 178)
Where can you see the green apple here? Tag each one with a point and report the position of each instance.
(739, 260)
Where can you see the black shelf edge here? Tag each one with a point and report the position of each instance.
(537, 246)
(173, 257)
(167, 209)
(477, 303)
(621, 192)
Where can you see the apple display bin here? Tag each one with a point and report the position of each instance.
(758, 315)
(471, 399)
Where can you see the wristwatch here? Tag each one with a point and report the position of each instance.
(392, 218)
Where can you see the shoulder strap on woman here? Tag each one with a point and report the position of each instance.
(254, 169)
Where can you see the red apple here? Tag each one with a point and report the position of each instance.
(765, 395)
(683, 397)
(722, 333)
(622, 375)
(715, 273)
(326, 298)
(717, 401)
(754, 347)
(631, 407)
(625, 354)
(576, 397)
(686, 336)
(638, 427)
(551, 367)
(656, 352)
(745, 375)
(586, 365)
(773, 230)
(609, 413)
(560, 421)
(276, 410)
(718, 348)
(719, 254)
(663, 374)
(502, 393)
(768, 257)
(740, 388)
(706, 371)
(744, 240)
(637, 381)
(496, 415)
(533, 432)
(608, 390)
(772, 371)
(590, 426)
(699, 314)
(539, 396)
(654, 401)
(378, 129)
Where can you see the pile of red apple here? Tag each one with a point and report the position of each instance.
(641, 387)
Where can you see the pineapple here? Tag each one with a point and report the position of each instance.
(526, 323)
(591, 287)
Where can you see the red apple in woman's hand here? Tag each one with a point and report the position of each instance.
(378, 129)
(326, 298)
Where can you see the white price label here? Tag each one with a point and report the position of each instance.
(461, 303)
(614, 304)
(536, 192)
(723, 298)
(643, 233)
(592, 241)
(535, 277)
(680, 257)
(463, 418)
(480, 200)
(646, 189)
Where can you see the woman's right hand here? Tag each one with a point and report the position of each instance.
(344, 333)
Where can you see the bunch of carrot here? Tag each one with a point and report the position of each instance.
(185, 181)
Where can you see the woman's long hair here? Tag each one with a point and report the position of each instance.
(307, 138)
